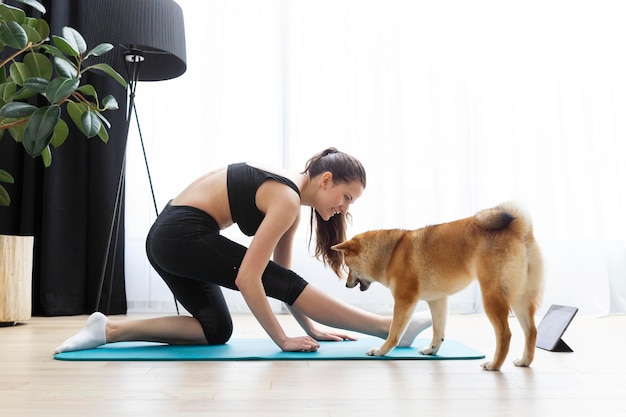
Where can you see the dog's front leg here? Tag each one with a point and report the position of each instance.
(439, 313)
(402, 313)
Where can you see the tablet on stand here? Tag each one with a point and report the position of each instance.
(553, 325)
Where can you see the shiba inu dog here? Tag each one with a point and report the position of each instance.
(495, 246)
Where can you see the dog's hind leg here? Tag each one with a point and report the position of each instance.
(525, 307)
(439, 312)
(497, 310)
(525, 313)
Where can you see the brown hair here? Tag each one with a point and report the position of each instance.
(345, 169)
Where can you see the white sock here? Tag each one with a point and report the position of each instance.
(415, 327)
(92, 335)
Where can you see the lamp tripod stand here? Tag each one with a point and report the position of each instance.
(151, 39)
(133, 59)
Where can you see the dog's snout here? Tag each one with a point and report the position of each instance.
(351, 282)
(364, 285)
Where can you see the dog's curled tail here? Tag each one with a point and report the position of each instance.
(502, 216)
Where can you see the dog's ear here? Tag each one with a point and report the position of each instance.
(349, 247)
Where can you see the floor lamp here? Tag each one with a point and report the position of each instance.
(149, 40)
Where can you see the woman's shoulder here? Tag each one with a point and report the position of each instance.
(269, 169)
(291, 179)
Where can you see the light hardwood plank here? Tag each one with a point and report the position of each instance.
(589, 381)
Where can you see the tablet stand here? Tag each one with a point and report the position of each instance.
(553, 325)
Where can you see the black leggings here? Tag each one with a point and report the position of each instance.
(185, 247)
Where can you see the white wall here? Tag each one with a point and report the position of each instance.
(452, 107)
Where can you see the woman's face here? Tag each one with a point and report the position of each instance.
(336, 197)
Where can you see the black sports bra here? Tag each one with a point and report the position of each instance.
(243, 181)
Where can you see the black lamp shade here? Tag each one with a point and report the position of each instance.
(154, 27)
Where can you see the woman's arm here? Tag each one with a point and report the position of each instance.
(284, 248)
(281, 211)
(283, 256)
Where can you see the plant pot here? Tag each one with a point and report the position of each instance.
(16, 275)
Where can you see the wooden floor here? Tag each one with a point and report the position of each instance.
(588, 382)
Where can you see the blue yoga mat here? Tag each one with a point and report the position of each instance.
(263, 349)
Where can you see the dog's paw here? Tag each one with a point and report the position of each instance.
(375, 352)
(429, 350)
(490, 366)
(521, 363)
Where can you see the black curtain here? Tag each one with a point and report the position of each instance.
(68, 207)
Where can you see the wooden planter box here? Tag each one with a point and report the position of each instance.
(16, 275)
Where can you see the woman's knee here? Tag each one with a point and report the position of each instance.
(217, 329)
(221, 336)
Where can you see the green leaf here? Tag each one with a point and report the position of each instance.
(29, 21)
(46, 157)
(39, 129)
(42, 28)
(7, 90)
(53, 50)
(64, 46)
(75, 39)
(110, 103)
(60, 88)
(23, 94)
(17, 132)
(32, 34)
(6, 177)
(65, 68)
(90, 123)
(5, 200)
(38, 65)
(35, 5)
(19, 72)
(103, 135)
(76, 110)
(13, 35)
(17, 110)
(10, 13)
(61, 132)
(109, 71)
(36, 84)
(104, 120)
(101, 49)
(88, 90)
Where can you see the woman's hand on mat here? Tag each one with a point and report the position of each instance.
(330, 336)
(300, 344)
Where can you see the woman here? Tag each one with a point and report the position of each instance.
(185, 247)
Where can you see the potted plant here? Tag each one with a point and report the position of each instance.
(40, 77)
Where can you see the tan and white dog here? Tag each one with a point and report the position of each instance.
(495, 246)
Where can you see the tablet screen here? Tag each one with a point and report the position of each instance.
(553, 326)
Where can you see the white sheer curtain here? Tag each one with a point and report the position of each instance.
(452, 107)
